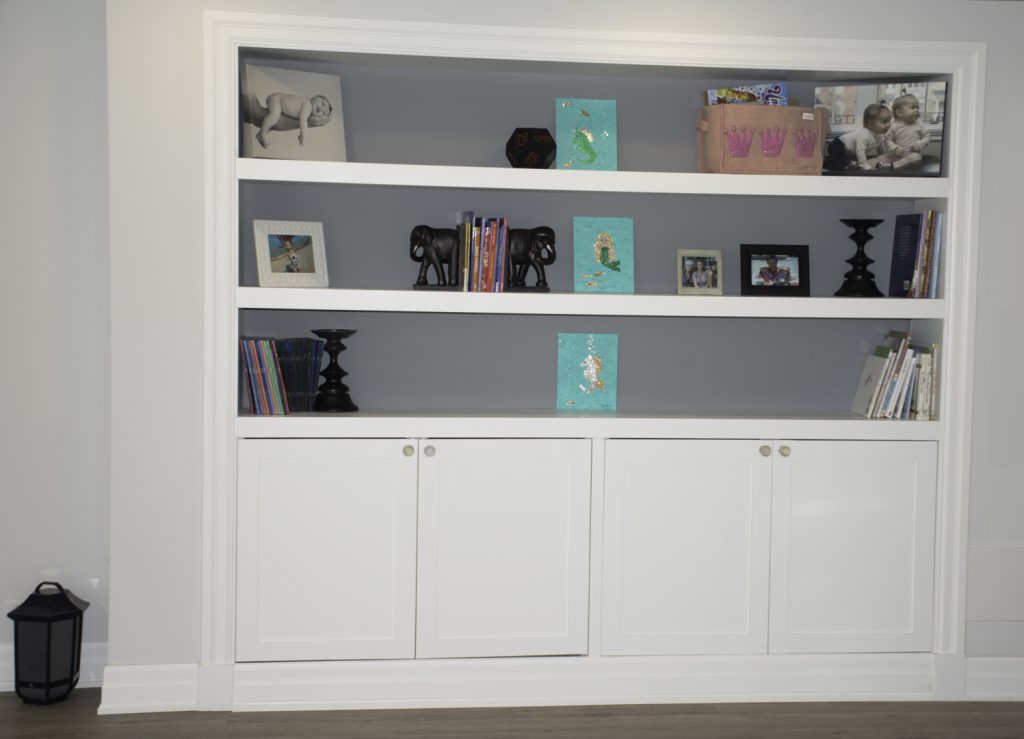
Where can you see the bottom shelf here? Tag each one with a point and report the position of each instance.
(558, 424)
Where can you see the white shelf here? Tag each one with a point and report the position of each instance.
(670, 183)
(555, 424)
(573, 304)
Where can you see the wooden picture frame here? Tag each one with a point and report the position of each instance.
(775, 270)
(290, 253)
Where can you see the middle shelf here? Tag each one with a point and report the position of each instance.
(582, 304)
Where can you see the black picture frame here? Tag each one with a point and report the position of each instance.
(792, 268)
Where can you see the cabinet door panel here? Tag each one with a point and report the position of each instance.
(685, 547)
(504, 539)
(853, 537)
(326, 549)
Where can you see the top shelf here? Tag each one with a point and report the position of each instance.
(671, 183)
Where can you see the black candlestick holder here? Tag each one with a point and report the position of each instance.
(332, 396)
(859, 282)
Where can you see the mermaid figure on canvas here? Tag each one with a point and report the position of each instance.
(583, 140)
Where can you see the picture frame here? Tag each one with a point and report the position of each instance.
(699, 272)
(291, 114)
(774, 270)
(290, 253)
(915, 111)
(588, 368)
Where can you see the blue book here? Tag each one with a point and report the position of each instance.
(906, 241)
(602, 255)
(586, 134)
(588, 366)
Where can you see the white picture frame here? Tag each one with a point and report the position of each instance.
(290, 253)
(690, 260)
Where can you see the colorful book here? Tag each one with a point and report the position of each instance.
(588, 367)
(586, 134)
(769, 93)
(602, 255)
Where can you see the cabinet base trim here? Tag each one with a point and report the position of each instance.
(149, 688)
(995, 678)
(580, 681)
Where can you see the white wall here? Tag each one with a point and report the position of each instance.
(54, 308)
(155, 84)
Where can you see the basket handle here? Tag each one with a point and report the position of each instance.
(54, 584)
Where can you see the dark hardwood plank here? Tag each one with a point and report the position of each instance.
(76, 719)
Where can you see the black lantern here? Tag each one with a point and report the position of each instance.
(47, 643)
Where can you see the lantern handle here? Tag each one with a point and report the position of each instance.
(54, 584)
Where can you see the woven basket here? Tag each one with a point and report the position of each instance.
(760, 139)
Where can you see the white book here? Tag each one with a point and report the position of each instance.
(871, 380)
(899, 385)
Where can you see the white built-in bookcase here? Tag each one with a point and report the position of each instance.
(427, 111)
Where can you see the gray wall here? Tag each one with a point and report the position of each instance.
(54, 308)
(53, 59)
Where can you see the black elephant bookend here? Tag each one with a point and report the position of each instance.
(437, 248)
(529, 247)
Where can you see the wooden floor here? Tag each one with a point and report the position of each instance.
(77, 718)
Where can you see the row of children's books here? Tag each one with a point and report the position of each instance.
(899, 380)
(917, 241)
(484, 252)
(280, 376)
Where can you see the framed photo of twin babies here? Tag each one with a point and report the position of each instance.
(699, 272)
(291, 114)
(894, 128)
(290, 253)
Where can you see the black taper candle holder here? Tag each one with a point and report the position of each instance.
(332, 397)
(859, 282)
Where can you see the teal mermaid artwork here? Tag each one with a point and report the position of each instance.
(583, 140)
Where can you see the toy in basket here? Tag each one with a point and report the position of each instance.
(760, 139)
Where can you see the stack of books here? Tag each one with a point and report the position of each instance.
(899, 380)
(917, 242)
(280, 376)
(484, 253)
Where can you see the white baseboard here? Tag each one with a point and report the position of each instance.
(995, 678)
(580, 681)
(547, 681)
(149, 688)
(94, 660)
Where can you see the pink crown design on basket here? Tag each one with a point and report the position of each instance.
(739, 141)
(772, 140)
(806, 142)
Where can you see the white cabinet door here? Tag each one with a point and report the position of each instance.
(686, 547)
(853, 533)
(504, 539)
(326, 549)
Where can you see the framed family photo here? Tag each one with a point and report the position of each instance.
(699, 272)
(774, 269)
(291, 114)
(290, 253)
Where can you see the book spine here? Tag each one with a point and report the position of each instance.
(933, 272)
(282, 388)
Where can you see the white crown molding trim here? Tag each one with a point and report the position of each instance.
(995, 678)
(94, 660)
(149, 688)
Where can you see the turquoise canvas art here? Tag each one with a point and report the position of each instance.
(586, 134)
(602, 255)
(588, 366)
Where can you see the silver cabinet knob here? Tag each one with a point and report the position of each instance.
(785, 451)
(429, 451)
(765, 450)
(408, 450)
